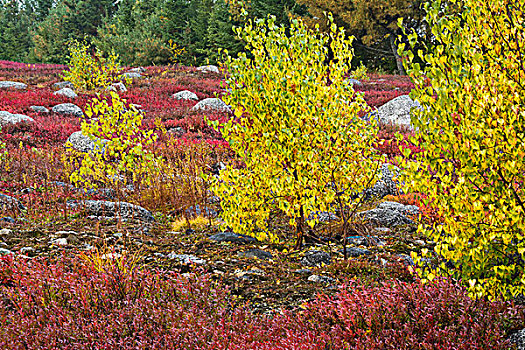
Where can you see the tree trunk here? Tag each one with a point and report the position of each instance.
(399, 59)
(299, 229)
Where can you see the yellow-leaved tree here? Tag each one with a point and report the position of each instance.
(120, 154)
(295, 127)
(472, 131)
(89, 70)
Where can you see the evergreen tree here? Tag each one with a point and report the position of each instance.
(15, 20)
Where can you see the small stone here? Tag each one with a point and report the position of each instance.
(232, 237)
(107, 210)
(209, 69)
(39, 109)
(211, 104)
(84, 143)
(132, 75)
(4, 251)
(8, 219)
(322, 216)
(24, 250)
(407, 260)
(186, 259)
(59, 241)
(7, 118)
(302, 271)
(185, 95)
(63, 84)
(66, 92)
(249, 273)
(420, 242)
(68, 108)
(355, 82)
(137, 70)
(65, 233)
(5, 232)
(12, 85)
(111, 256)
(256, 253)
(117, 87)
(356, 252)
(315, 258)
(10, 203)
(518, 338)
(321, 279)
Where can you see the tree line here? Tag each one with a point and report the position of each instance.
(144, 32)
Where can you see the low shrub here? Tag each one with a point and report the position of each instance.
(91, 70)
(72, 304)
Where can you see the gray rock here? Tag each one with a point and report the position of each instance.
(213, 104)
(315, 258)
(322, 216)
(403, 209)
(321, 279)
(302, 271)
(4, 251)
(10, 203)
(59, 241)
(6, 232)
(132, 75)
(209, 69)
(398, 111)
(109, 210)
(369, 241)
(12, 85)
(24, 250)
(185, 95)
(68, 108)
(117, 87)
(386, 185)
(186, 259)
(8, 219)
(386, 217)
(232, 237)
(407, 259)
(256, 253)
(255, 272)
(39, 109)
(137, 70)
(66, 92)
(83, 143)
(63, 84)
(353, 252)
(7, 118)
(355, 82)
(518, 338)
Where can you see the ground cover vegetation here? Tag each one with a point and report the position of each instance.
(125, 209)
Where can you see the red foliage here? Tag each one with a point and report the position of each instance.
(72, 305)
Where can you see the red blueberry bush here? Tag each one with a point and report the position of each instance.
(74, 304)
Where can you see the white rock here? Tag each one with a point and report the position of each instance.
(12, 85)
(67, 92)
(9, 118)
(117, 87)
(81, 142)
(209, 69)
(211, 104)
(132, 75)
(59, 241)
(68, 108)
(398, 111)
(185, 95)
